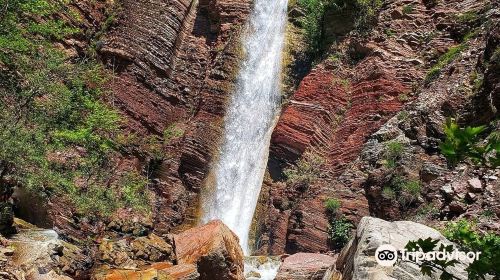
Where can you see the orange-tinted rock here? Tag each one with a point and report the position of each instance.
(214, 248)
(305, 266)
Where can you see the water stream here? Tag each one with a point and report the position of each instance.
(249, 122)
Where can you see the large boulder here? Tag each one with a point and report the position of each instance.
(357, 260)
(214, 249)
(305, 266)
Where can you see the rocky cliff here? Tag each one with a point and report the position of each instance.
(368, 88)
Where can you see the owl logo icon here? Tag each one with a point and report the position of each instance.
(386, 255)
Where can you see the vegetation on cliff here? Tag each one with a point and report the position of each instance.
(365, 12)
(57, 134)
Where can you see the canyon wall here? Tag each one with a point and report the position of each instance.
(174, 65)
(345, 99)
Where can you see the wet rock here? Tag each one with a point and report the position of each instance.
(40, 254)
(305, 266)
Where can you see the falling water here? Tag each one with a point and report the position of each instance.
(249, 122)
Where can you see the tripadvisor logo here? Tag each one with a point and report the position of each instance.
(388, 255)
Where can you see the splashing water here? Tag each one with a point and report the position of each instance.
(249, 122)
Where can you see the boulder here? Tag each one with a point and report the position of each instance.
(357, 260)
(214, 249)
(305, 266)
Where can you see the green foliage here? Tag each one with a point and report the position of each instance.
(57, 135)
(408, 9)
(465, 234)
(462, 143)
(313, 23)
(427, 212)
(429, 267)
(393, 153)
(339, 232)
(388, 193)
(402, 190)
(339, 228)
(332, 205)
(468, 17)
(444, 60)
(307, 170)
(172, 132)
(403, 97)
(390, 32)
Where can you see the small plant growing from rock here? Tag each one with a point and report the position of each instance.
(307, 170)
(464, 143)
(408, 9)
(402, 190)
(172, 132)
(332, 205)
(393, 153)
(444, 60)
(339, 232)
(339, 228)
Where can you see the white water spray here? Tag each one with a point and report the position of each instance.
(249, 122)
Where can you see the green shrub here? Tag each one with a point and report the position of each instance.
(393, 153)
(402, 190)
(408, 9)
(57, 134)
(388, 193)
(465, 234)
(332, 205)
(444, 60)
(463, 143)
(172, 132)
(390, 32)
(307, 170)
(339, 232)
(313, 23)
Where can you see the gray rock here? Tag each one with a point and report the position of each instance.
(447, 191)
(430, 172)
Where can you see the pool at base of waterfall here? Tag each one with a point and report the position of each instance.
(261, 267)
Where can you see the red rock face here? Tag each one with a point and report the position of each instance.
(174, 62)
(334, 111)
(334, 120)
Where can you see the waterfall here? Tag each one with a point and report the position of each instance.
(249, 122)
